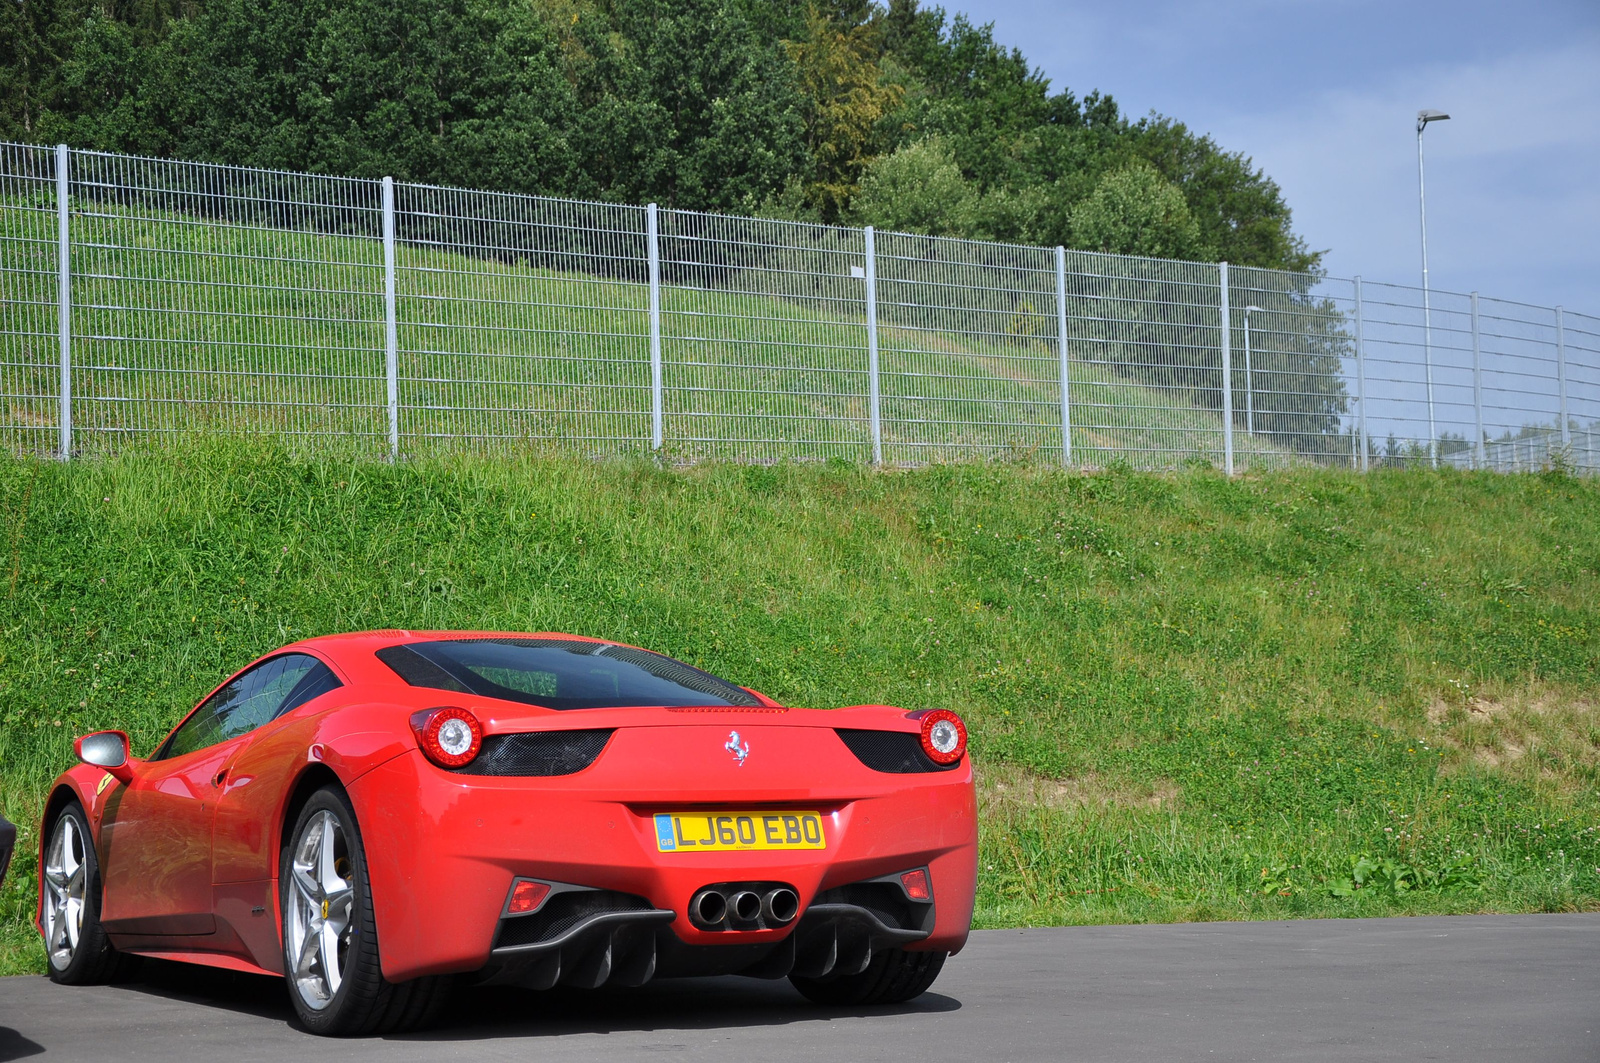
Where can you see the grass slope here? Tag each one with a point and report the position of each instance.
(1191, 698)
(180, 323)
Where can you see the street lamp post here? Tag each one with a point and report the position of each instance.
(1423, 118)
(1249, 387)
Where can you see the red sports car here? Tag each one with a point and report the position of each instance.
(368, 815)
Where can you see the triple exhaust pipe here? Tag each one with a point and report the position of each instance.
(742, 908)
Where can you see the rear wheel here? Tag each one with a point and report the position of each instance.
(893, 977)
(77, 946)
(330, 938)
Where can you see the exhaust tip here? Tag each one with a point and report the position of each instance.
(745, 907)
(780, 905)
(708, 908)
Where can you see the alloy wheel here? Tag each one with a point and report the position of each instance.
(319, 921)
(65, 883)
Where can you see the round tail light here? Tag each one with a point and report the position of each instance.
(944, 736)
(449, 737)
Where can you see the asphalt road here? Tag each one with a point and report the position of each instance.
(1459, 989)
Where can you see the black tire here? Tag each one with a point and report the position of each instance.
(893, 977)
(93, 960)
(365, 1003)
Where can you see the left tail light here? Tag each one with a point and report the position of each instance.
(450, 737)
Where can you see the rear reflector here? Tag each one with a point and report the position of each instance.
(916, 885)
(526, 896)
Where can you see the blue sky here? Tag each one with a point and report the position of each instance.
(1324, 97)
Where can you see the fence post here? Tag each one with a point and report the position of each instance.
(1361, 381)
(1227, 374)
(872, 349)
(1061, 326)
(64, 294)
(652, 245)
(1561, 377)
(391, 338)
(1477, 386)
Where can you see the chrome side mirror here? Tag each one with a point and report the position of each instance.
(108, 750)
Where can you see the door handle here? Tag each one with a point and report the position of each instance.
(221, 777)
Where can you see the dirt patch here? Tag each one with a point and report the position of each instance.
(1532, 730)
(1483, 707)
(1010, 785)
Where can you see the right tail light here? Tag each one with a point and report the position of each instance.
(944, 736)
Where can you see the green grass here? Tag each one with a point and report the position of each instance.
(1190, 697)
(180, 324)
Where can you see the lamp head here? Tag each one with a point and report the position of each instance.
(1253, 308)
(1427, 115)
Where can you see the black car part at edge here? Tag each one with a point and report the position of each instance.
(8, 842)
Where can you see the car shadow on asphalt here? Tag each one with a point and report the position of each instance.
(245, 994)
(487, 1013)
(15, 1046)
(671, 1004)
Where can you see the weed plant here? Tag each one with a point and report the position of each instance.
(1300, 694)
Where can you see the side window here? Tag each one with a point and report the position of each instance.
(250, 699)
(315, 683)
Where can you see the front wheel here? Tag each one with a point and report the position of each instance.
(77, 946)
(893, 977)
(330, 937)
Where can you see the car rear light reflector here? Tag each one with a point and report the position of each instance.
(450, 737)
(916, 885)
(944, 736)
(526, 896)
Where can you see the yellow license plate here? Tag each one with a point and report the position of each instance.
(699, 832)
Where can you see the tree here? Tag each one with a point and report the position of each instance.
(1135, 211)
(846, 98)
(1239, 209)
(918, 189)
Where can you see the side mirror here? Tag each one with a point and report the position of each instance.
(108, 750)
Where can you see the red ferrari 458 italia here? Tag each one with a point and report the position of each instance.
(372, 815)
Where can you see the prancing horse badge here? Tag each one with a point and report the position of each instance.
(739, 749)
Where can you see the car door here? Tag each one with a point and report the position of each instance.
(157, 838)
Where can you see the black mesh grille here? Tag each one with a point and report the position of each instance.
(681, 674)
(891, 751)
(563, 912)
(538, 753)
(418, 671)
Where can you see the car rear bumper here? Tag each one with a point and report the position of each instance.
(443, 851)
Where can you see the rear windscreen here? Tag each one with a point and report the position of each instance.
(559, 674)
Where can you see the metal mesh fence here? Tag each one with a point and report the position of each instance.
(30, 383)
(763, 339)
(969, 351)
(520, 320)
(1147, 334)
(401, 319)
(212, 297)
